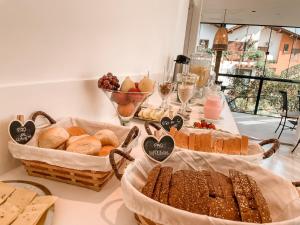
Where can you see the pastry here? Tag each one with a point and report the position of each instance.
(76, 131)
(105, 150)
(53, 137)
(88, 145)
(107, 137)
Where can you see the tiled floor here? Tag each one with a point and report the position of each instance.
(262, 127)
(283, 163)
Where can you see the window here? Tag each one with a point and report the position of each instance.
(206, 42)
(286, 48)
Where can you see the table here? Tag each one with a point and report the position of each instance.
(78, 206)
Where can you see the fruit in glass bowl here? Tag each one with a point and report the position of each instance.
(125, 100)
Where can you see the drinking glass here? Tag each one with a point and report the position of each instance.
(186, 90)
(165, 88)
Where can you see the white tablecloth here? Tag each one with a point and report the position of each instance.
(78, 206)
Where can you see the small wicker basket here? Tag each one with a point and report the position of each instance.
(261, 156)
(94, 180)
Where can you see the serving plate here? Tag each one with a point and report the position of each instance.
(47, 218)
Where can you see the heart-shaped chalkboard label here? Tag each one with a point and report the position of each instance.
(158, 150)
(167, 122)
(21, 133)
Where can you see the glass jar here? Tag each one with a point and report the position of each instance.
(200, 65)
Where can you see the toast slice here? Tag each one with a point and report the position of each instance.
(244, 145)
(192, 139)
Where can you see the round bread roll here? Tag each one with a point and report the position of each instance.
(85, 145)
(53, 137)
(75, 138)
(76, 131)
(107, 137)
(105, 150)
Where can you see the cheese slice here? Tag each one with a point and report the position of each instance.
(21, 198)
(33, 212)
(5, 191)
(8, 213)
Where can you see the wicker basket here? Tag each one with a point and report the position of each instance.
(252, 158)
(141, 220)
(94, 180)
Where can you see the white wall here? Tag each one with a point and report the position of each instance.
(45, 42)
(207, 32)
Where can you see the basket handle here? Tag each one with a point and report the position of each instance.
(147, 127)
(274, 148)
(41, 113)
(132, 134)
(113, 162)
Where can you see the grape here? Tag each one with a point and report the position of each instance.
(109, 81)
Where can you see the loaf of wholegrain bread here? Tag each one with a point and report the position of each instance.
(211, 193)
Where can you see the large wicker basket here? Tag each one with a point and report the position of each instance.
(142, 220)
(260, 154)
(90, 179)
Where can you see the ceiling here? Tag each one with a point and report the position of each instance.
(263, 12)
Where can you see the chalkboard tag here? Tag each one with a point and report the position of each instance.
(158, 150)
(21, 132)
(167, 122)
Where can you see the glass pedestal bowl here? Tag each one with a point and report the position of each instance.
(126, 103)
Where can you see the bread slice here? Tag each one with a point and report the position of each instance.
(181, 139)
(173, 132)
(244, 145)
(207, 142)
(148, 189)
(192, 139)
(236, 146)
(218, 145)
(198, 142)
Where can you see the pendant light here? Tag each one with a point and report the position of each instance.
(221, 37)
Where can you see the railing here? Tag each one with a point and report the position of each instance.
(259, 95)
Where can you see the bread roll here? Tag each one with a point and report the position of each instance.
(105, 150)
(53, 137)
(75, 138)
(76, 131)
(107, 137)
(88, 145)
